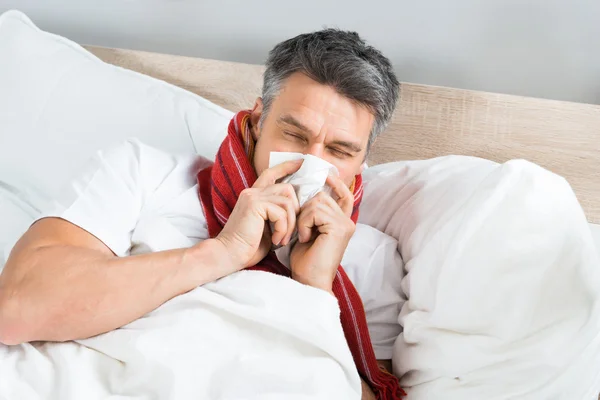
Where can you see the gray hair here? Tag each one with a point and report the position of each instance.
(339, 59)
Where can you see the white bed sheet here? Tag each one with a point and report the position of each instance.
(12, 201)
(596, 235)
(261, 325)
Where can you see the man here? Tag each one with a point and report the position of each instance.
(326, 93)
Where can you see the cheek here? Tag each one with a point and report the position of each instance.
(261, 157)
(347, 171)
(262, 152)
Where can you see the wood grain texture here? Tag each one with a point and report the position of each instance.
(429, 122)
(560, 136)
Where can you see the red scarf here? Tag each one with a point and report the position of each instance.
(220, 186)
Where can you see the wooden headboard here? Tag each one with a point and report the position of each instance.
(429, 121)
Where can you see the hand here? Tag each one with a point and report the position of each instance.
(246, 235)
(324, 230)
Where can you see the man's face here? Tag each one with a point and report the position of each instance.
(310, 118)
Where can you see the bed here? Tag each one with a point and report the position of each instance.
(429, 121)
(152, 355)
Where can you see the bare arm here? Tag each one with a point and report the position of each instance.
(62, 283)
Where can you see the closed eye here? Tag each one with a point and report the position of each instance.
(339, 153)
(294, 136)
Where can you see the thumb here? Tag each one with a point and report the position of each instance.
(272, 175)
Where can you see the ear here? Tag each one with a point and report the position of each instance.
(255, 115)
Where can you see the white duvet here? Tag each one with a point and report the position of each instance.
(503, 285)
(503, 280)
(252, 335)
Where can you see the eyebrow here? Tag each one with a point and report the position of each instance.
(288, 119)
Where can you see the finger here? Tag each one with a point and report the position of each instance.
(328, 211)
(287, 190)
(323, 199)
(318, 217)
(290, 207)
(278, 217)
(272, 175)
(345, 196)
(326, 199)
(305, 224)
(291, 225)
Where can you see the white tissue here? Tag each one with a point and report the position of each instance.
(309, 180)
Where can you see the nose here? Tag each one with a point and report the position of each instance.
(315, 149)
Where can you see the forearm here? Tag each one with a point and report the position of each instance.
(316, 282)
(64, 292)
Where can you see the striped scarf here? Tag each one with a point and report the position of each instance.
(220, 186)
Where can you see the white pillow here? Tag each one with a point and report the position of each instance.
(596, 235)
(16, 214)
(502, 279)
(59, 104)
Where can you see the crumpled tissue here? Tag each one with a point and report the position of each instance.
(308, 181)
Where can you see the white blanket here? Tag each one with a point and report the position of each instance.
(503, 283)
(252, 335)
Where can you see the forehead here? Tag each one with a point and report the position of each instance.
(321, 108)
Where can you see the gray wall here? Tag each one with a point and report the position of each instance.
(542, 48)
